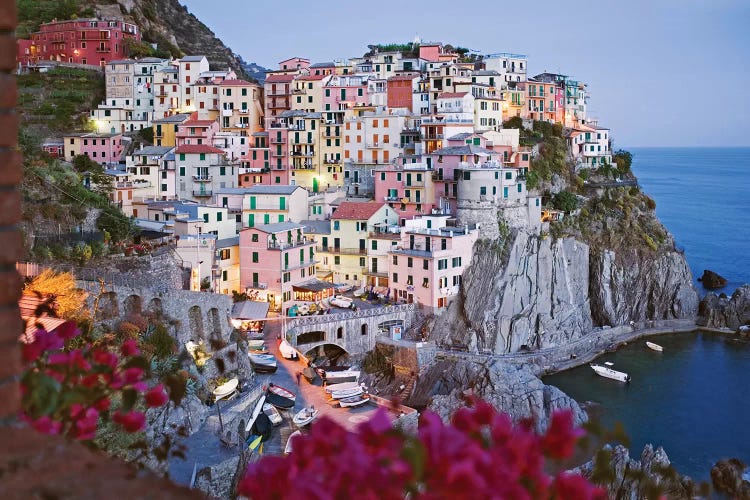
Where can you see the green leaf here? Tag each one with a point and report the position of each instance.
(45, 394)
(128, 399)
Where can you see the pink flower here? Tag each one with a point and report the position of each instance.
(103, 404)
(133, 421)
(85, 426)
(105, 358)
(46, 425)
(67, 330)
(43, 341)
(575, 487)
(129, 348)
(132, 375)
(561, 436)
(156, 397)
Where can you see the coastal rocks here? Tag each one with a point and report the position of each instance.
(638, 289)
(728, 477)
(725, 312)
(539, 299)
(632, 479)
(217, 481)
(229, 362)
(712, 281)
(511, 389)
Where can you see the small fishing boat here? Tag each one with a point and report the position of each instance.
(263, 363)
(284, 393)
(225, 390)
(303, 309)
(341, 302)
(279, 401)
(256, 411)
(655, 347)
(341, 387)
(287, 351)
(288, 447)
(346, 393)
(340, 377)
(607, 372)
(272, 413)
(354, 401)
(305, 416)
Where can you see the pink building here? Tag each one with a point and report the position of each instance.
(408, 189)
(427, 264)
(273, 259)
(105, 149)
(195, 132)
(277, 92)
(345, 91)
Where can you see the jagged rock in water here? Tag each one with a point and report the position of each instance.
(509, 388)
(633, 478)
(217, 481)
(727, 477)
(723, 312)
(539, 299)
(712, 280)
(641, 289)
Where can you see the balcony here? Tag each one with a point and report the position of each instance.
(368, 272)
(434, 137)
(343, 251)
(202, 192)
(103, 50)
(256, 285)
(283, 245)
(391, 199)
(202, 178)
(226, 112)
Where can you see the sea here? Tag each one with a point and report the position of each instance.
(694, 398)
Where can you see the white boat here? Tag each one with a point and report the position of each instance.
(655, 347)
(256, 411)
(607, 372)
(341, 387)
(340, 377)
(225, 390)
(341, 302)
(346, 393)
(263, 362)
(305, 416)
(354, 401)
(272, 413)
(284, 393)
(287, 351)
(288, 447)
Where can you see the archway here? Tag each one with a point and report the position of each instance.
(133, 305)
(310, 338)
(108, 307)
(195, 320)
(154, 308)
(363, 328)
(214, 324)
(328, 355)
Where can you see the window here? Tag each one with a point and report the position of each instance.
(222, 170)
(254, 238)
(336, 260)
(362, 262)
(336, 225)
(395, 260)
(374, 244)
(426, 282)
(425, 264)
(255, 257)
(225, 254)
(409, 262)
(395, 277)
(456, 262)
(219, 216)
(483, 190)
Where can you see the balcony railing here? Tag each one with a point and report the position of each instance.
(202, 178)
(257, 285)
(344, 251)
(202, 192)
(367, 272)
(283, 245)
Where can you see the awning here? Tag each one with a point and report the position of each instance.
(313, 286)
(250, 310)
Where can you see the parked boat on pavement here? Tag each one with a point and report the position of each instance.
(256, 411)
(305, 416)
(263, 363)
(225, 390)
(341, 387)
(272, 413)
(340, 377)
(287, 351)
(347, 393)
(284, 393)
(354, 401)
(279, 401)
(606, 372)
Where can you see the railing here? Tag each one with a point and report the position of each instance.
(202, 192)
(392, 198)
(202, 178)
(367, 272)
(283, 245)
(344, 251)
(256, 285)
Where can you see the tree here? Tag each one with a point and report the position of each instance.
(69, 300)
(565, 201)
(623, 159)
(137, 49)
(146, 135)
(83, 164)
(116, 224)
(515, 122)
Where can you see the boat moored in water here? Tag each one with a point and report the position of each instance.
(655, 347)
(606, 372)
(263, 363)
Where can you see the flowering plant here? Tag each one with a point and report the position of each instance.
(70, 386)
(481, 455)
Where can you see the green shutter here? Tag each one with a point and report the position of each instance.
(282, 203)
(252, 202)
(182, 171)
(182, 156)
(251, 220)
(203, 156)
(266, 218)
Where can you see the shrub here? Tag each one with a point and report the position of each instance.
(159, 342)
(650, 203)
(565, 201)
(128, 330)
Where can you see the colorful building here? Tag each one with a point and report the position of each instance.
(201, 170)
(105, 149)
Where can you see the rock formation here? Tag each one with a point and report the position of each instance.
(725, 312)
(712, 281)
(511, 389)
(651, 476)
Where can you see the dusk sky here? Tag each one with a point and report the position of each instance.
(660, 72)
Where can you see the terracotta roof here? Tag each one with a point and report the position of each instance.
(353, 210)
(198, 123)
(451, 95)
(235, 83)
(279, 78)
(197, 149)
(312, 77)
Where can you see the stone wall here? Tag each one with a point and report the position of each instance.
(488, 213)
(356, 332)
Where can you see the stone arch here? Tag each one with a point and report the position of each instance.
(108, 308)
(329, 350)
(363, 328)
(195, 321)
(133, 305)
(155, 309)
(214, 324)
(311, 337)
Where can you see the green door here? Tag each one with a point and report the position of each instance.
(251, 220)
(315, 184)
(252, 203)
(282, 203)
(266, 218)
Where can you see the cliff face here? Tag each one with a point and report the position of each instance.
(552, 291)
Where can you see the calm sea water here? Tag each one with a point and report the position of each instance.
(694, 398)
(702, 196)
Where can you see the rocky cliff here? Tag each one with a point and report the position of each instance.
(720, 311)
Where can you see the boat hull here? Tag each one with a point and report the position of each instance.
(347, 393)
(279, 401)
(284, 393)
(654, 347)
(353, 401)
(226, 389)
(340, 377)
(304, 417)
(342, 387)
(609, 373)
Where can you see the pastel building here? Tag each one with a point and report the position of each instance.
(407, 188)
(189, 71)
(428, 262)
(240, 106)
(273, 259)
(264, 204)
(165, 129)
(373, 137)
(201, 170)
(542, 100)
(93, 41)
(590, 145)
(196, 132)
(147, 168)
(277, 92)
(511, 67)
(167, 92)
(105, 149)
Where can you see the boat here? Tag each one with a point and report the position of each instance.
(342, 287)
(341, 302)
(309, 373)
(284, 393)
(225, 390)
(263, 363)
(272, 413)
(354, 401)
(341, 387)
(655, 347)
(287, 351)
(256, 411)
(346, 393)
(256, 343)
(607, 372)
(288, 447)
(279, 401)
(305, 416)
(340, 377)
(258, 350)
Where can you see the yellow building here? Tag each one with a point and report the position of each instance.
(165, 129)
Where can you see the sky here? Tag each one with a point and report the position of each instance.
(660, 72)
